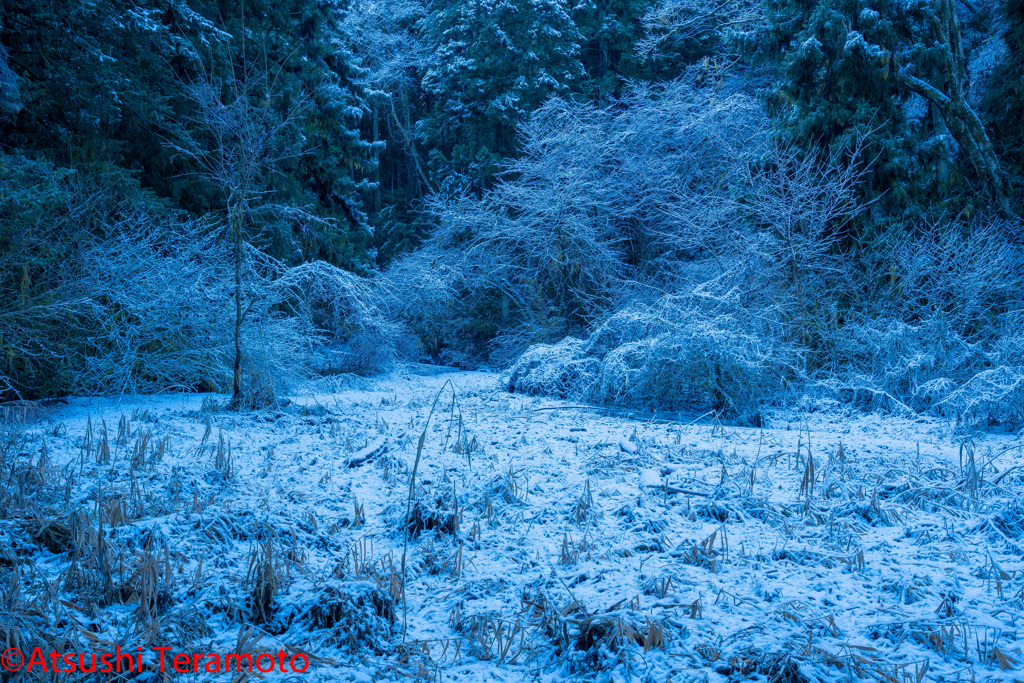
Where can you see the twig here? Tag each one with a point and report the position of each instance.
(673, 489)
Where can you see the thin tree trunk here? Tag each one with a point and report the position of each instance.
(376, 158)
(238, 396)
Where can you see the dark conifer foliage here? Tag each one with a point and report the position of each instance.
(491, 63)
(892, 80)
(99, 84)
(1004, 101)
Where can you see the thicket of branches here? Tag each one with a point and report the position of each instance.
(666, 252)
(602, 207)
(106, 291)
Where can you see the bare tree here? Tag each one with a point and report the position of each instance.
(804, 201)
(603, 205)
(680, 20)
(239, 133)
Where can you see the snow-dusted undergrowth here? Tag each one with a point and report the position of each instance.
(672, 355)
(546, 541)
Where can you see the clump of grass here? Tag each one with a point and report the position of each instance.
(659, 587)
(583, 510)
(704, 554)
(222, 458)
(263, 580)
(510, 487)
(435, 515)
(717, 511)
(444, 558)
(103, 451)
(137, 460)
(1007, 526)
(548, 619)
(570, 554)
(782, 667)
(149, 585)
(605, 641)
(357, 614)
(52, 534)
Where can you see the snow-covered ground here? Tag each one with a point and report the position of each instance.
(547, 541)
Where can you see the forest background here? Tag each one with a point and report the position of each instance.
(663, 203)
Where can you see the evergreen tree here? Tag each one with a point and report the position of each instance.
(1004, 101)
(10, 98)
(302, 39)
(387, 43)
(93, 79)
(665, 37)
(888, 80)
(94, 85)
(610, 30)
(492, 62)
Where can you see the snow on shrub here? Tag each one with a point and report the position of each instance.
(355, 334)
(670, 355)
(916, 363)
(927, 368)
(562, 370)
(994, 396)
(699, 366)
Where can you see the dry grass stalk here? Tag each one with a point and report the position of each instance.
(581, 511)
(704, 554)
(412, 489)
(657, 636)
(570, 555)
(496, 639)
(139, 450)
(103, 452)
(263, 580)
(222, 457)
(123, 432)
(809, 478)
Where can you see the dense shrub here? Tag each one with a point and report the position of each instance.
(107, 291)
(674, 354)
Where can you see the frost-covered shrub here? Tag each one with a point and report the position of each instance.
(353, 331)
(449, 304)
(928, 367)
(165, 316)
(969, 275)
(933, 327)
(149, 306)
(699, 366)
(672, 354)
(562, 370)
(422, 289)
(917, 364)
(992, 397)
(600, 200)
